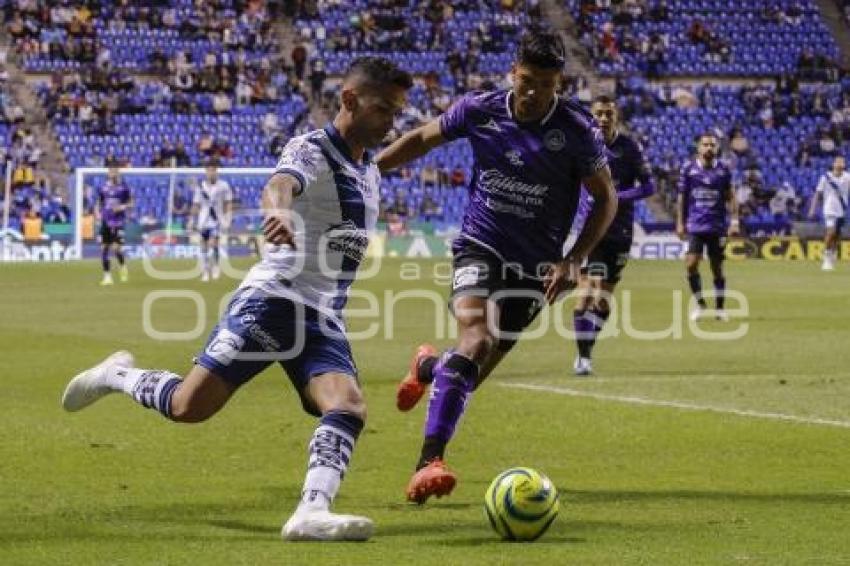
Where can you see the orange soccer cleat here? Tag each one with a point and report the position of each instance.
(433, 479)
(411, 390)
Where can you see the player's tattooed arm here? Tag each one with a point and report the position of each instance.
(277, 209)
(410, 146)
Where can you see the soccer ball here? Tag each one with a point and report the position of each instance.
(521, 503)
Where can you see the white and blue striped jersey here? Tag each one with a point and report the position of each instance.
(336, 208)
(211, 200)
(835, 191)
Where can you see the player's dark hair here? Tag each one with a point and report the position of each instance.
(542, 48)
(378, 71)
(707, 134)
(604, 99)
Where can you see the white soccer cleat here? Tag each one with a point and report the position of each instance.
(205, 277)
(107, 280)
(582, 366)
(320, 524)
(216, 272)
(88, 386)
(828, 265)
(722, 316)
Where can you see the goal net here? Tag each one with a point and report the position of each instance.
(162, 197)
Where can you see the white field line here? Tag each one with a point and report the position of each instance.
(678, 405)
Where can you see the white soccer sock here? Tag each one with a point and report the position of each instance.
(150, 388)
(329, 454)
(123, 379)
(205, 261)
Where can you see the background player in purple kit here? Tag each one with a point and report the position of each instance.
(705, 190)
(532, 152)
(633, 179)
(114, 199)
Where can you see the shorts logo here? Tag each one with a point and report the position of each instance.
(465, 276)
(225, 346)
(554, 140)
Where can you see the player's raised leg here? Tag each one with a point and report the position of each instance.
(343, 410)
(456, 374)
(193, 399)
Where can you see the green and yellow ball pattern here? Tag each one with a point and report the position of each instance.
(521, 503)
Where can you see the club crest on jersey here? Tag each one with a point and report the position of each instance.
(554, 140)
(515, 158)
(491, 125)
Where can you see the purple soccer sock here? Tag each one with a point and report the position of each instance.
(104, 259)
(597, 318)
(454, 378)
(585, 332)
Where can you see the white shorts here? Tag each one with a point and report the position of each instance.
(833, 221)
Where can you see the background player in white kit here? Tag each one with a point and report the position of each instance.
(320, 206)
(834, 189)
(212, 209)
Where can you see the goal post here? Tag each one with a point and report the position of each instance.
(155, 190)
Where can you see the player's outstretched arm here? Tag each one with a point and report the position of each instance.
(277, 209)
(412, 145)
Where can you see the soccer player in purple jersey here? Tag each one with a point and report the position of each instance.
(532, 152)
(114, 200)
(705, 191)
(633, 179)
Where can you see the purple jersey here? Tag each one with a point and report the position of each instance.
(526, 177)
(633, 179)
(110, 196)
(706, 191)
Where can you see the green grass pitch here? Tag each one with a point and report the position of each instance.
(678, 451)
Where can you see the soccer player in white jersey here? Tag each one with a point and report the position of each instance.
(212, 206)
(834, 189)
(320, 206)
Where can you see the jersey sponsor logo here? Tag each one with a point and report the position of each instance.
(554, 140)
(225, 346)
(465, 277)
(515, 158)
(491, 125)
(348, 239)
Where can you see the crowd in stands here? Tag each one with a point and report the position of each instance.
(210, 71)
(700, 37)
(32, 199)
(214, 87)
(778, 138)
